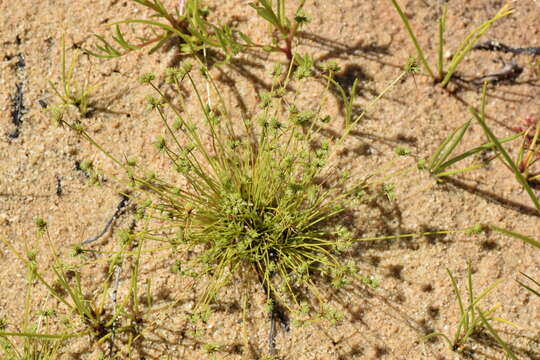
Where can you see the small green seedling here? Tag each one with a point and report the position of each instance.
(529, 152)
(466, 45)
(67, 290)
(71, 93)
(285, 28)
(176, 25)
(329, 68)
(510, 163)
(210, 348)
(440, 162)
(32, 348)
(196, 33)
(472, 320)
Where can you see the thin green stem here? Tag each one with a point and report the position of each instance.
(413, 38)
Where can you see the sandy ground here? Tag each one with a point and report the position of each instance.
(39, 177)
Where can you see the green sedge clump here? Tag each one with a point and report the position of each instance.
(254, 205)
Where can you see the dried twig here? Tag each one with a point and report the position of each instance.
(510, 71)
(119, 210)
(493, 45)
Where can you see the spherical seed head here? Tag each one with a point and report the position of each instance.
(57, 116)
(147, 78)
(330, 66)
(41, 224)
(187, 66)
(87, 165)
(412, 66)
(153, 102)
(159, 143)
(78, 127)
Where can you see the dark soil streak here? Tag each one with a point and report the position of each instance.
(17, 102)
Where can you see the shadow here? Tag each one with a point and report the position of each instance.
(350, 73)
(356, 352)
(488, 341)
(475, 84)
(458, 85)
(241, 66)
(392, 142)
(492, 197)
(335, 49)
(379, 299)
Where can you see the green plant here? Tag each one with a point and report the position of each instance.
(71, 295)
(87, 315)
(251, 204)
(328, 70)
(71, 93)
(529, 152)
(286, 28)
(511, 164)
(440, 162)
(189, 24)
(260, 201)
(267, 357)
(472, 319)
(210, 348)
(536, 283)
(466, 45)
(520, 170)
(32, 347)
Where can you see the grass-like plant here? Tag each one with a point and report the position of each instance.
(286, 28)
(259, 201)
(472, 320)
(520, 170)
(88, 316)
(440, 162)
(29, 347)
(535, 291)
(444, 76)
(32, 348)
(71, 93)
(66, 291)
(253, 202)
(529, 152)
(189, 24)
(510, 163)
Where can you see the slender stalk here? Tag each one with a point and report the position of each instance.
(442, 27)
(413, 38)
(471, 39)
